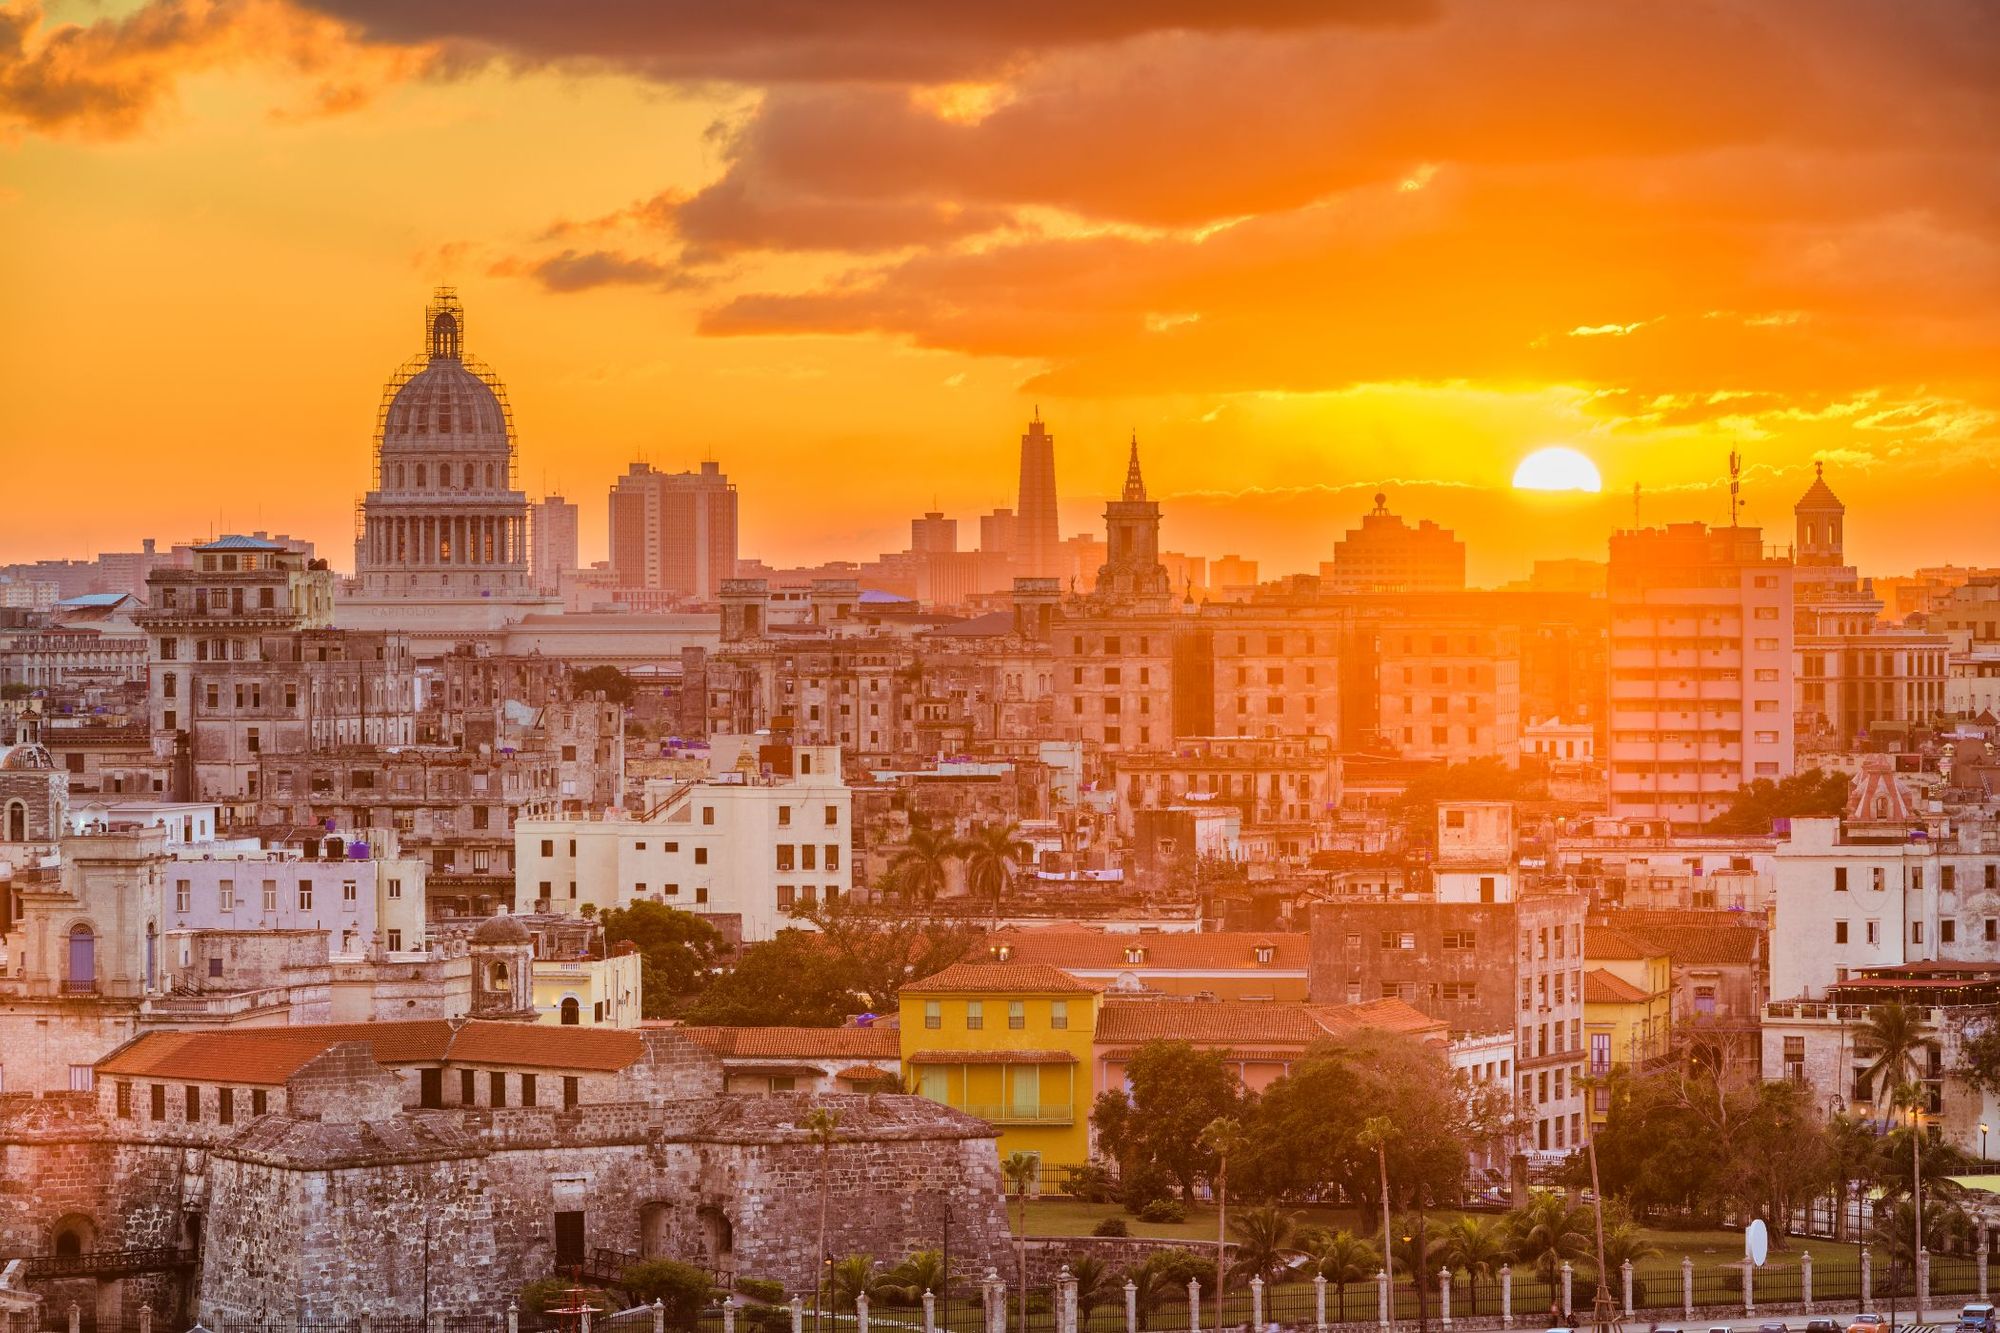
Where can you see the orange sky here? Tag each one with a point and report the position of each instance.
(1308, 248)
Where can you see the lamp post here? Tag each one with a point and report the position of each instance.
(1917, 1212)
(1982, 1143)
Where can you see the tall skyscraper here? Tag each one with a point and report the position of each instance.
(673, 531)
(1038, 536)
(934, 534)
(551, 541)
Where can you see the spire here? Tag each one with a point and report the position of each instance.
(1135, 484)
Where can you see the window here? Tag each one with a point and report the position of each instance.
(570, 1087)
(975, 1015)
(225, 895)
(1017, 1015)
(124, 1093)
(305, 895)
(468, 1088)
(159, 1107)
(784, 816)
(1916, 937)
(260, 1101)
(933, 1014)
(832, 816)
(527, 1089)
(1458, 939)
(183, 895)
(1840, 937)
(225, 1106)
(1874, 933)
(1947, 934)
(832, 856)
(497, 1085)
(348, 893)
(1059, 1014)
(270, 895)
(1840, 886)
(395, 888)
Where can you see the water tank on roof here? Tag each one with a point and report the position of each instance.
(357, 851)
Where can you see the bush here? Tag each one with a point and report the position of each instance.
(682, 1288)
(1092, 1183)
(768, 1318)
(1176, 1266)
(1115, 1226)
(1143, 1184)
(545, 1294)
(766, 1289)
(1163, 1210)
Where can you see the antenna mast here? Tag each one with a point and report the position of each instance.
(1735, 486)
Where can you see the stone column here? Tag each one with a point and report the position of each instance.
(437, 1322)
(75, 1318)
(1382, 1295)
(1569, 1290)
(1131, 1306)
(1625, 1284)
(798, 1315)
(1319, 1303)
(930, 1311)
(513, 1317)
(1194, 1307)
(659, 1315)
(1805, 1279)
(729, 1314)
(996, 1302)
(1066, 1300)
(1687, 1288)
(1506, 1295)
(1444, 1297)
(1256, 1305)
(1923, 1281)
(860, 1312)
(146, 1318)
(1867, 1275)
(1749, 1298)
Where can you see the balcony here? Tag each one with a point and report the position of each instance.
(87, 986)
(1043, 1113)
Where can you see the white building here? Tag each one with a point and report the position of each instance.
(353, 900)
(767, 832)
(1701, 669)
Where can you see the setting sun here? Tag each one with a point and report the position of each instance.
(1557, 468)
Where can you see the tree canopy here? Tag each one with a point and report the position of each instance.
(615, 684)
(1177, 1091)
(1813, 793)
(676, 951)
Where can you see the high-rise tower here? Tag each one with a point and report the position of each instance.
(1037, 533)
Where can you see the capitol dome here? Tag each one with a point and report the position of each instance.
(444, 404)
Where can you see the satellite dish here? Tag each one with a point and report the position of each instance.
(1757, 1242)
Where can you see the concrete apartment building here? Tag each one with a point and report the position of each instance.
(1701, 669)
(552, 542)
(372, 896)
(1385, 554)
(1480, 951)
(1450, 691)
(769, 831)
(674, 532)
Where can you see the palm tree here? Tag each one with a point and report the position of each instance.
(1221, 1136)
(1625, 1243)
(991, 854)
(923, 865)
(1093, 1286)
(1343, 1257)
(1376, 1133)
(824, 1127)
(1422, 1267)
(1547, 1233)
(851, 1277)
(1020, 1170)
(1476, 1247)
(1263, 1237)
(1894, 1033)
(1851, 1143)
(1150, 1290)
(907, 1282)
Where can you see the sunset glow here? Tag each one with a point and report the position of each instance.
(1557, 469)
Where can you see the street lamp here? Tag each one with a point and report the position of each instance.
(1982, 1142)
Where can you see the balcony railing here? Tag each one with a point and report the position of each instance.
(1023, 1114)
(88, 986)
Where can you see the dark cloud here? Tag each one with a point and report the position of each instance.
(583, 270)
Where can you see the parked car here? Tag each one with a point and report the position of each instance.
(1976, 1318)
(1867, 1323)
(1822, 1326)
(1773, 1328)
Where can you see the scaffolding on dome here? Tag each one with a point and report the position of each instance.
(446, 300)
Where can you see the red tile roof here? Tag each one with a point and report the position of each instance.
(851, 1043)
(1604, 987)
(992, 1058)
(1612, 944)
(269, 1056)
(1097, 950)
(868, 1074)
(1011, 978)
(1225, 1022)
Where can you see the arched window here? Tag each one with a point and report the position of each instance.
(420, 476)
(496, 977)
(17, 818)
(82, 959)
(444, 474)
(572, 1012)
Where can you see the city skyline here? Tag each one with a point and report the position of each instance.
(1779, 252)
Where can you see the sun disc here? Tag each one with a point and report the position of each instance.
(1557, 468)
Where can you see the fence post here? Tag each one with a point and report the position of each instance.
(861, 1312)
(798, 1315)
(146, 1318)
(1625, 1283)
(1805, 1278)
(1194, 1306)
(728, 1314)
(1923, 1280)
(1749, 1300)
(1319, 1303)
(1444, 1297)
(1687, 1287)
(513, 1318)
(996, 1302)
(75, 1318)
(436, 1322)
(930, 1311)
(367, 1318)
(1867, 1276)
(1066, 1299)
(659, 1314)
(1256, 1304)
(1982, 1262)
(1506, 1295)
(1382, 1294)
(1569, 1291)
(1131, 1306)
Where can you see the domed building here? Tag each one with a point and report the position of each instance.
(443, 540)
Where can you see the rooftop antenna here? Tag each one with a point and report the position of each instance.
(1735, 486)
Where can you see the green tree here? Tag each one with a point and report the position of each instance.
(1624, 1242)
(991, 854)
(1811, 794)
(822, 1126)
(1221, 1137)
(1483, 779)
(1264, 1235)
(677, 951)
(1547, 1233)
(923, 866)
(1162, 1280)
(1422, 1264)
(1094, 1287)
(1893, 1037)
(789, 980)
(681, 1288)
(907, 1282)
(877, 950)
(1176, 1092)
(615, 684)
(1475, 1247)
(1020, 1171)
(1851, 1148)
(1342, 1257)
(851, 1277)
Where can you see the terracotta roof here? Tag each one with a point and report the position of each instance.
(1223, 1022)
(868, 1074)
(269, 1056)
(992, 1058)
(1608, 942)
(1702, 946)
(1604, 987)
(1071, 947)
(999, 979)
(851, 1043)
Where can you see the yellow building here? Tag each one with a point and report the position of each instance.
(1627, 1006)
(1009, 1043)
(588, 992)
